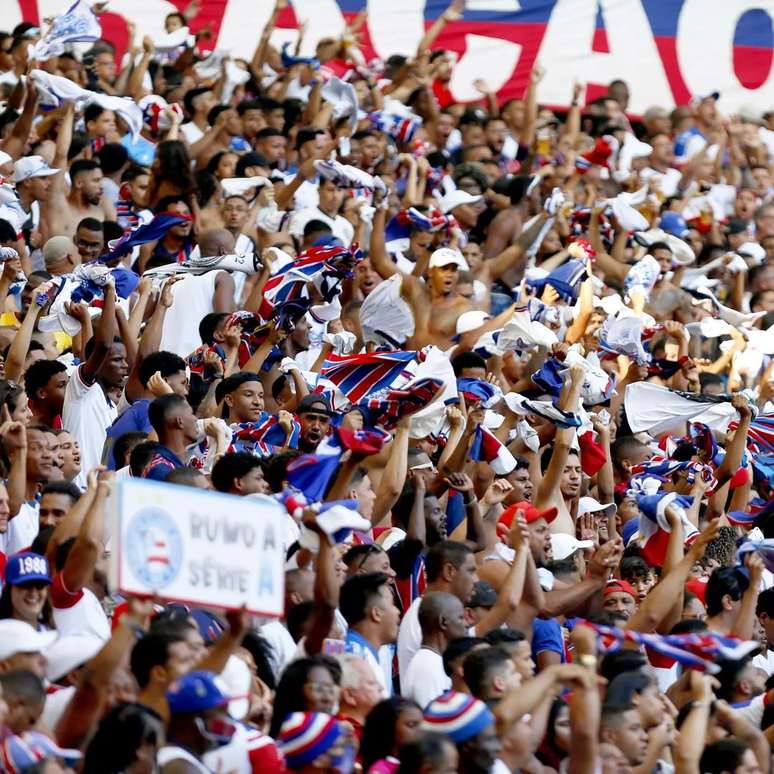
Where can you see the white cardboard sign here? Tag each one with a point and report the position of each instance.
(198, 548)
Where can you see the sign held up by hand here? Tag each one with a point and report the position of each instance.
(198, 548)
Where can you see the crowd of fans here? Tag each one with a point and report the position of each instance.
(508, 369)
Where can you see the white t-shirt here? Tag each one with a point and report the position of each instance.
(340, 227)
(425, 679)
(174, 753)
(193, 297)
(191, 132)
(77, 612)
(22, 529)
(765, 661)
(87, 415)
(282, 645)
(409, 638)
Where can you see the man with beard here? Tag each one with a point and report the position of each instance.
(314, 414)
(88, 408)
(61, 211)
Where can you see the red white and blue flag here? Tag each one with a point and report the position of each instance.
(360, 375)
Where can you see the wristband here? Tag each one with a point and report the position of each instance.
(587, 660)
(467, 503)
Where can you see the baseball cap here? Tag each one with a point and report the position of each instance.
(469, 321)
(736, 226)
(615, 586)
(69, 652)
(19, 637)
(456, 198)
(674, 223)
(443, 256)
(195, 692)
(564, 545)
(484, 595)
(31, 166)
(590, 505)
(314, 403)
(27, 568)
(699, 98)
(531, 514)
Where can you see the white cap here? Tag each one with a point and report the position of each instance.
(443, 256)
(456, 198)
(564, 545)
(469, 321)
(69, 652)
(31, 166)
(590, 505)
(5, 158)
(19, 637)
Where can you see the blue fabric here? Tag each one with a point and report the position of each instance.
(163, 462)
(134, 419)
(547, 635)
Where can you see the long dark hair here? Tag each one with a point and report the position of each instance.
(6, 607)
(120, 734)
(290, 689)
(174, 167)
(379, 731)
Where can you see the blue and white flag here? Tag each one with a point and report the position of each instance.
(78, 24)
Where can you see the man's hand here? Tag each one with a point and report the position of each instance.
(454, 11)
(498, 490)
(536, 75)
(238, 623)
(79, 311)
(606, 559)
(755, 568)
(139, 613)
(166, 299)
(705, 537)
(459, 481)
(518, 534)
(742, 405)
(233, 336)
(285, 421)
(455, 417)
(213, 362)
(158, 385)
(14, 436)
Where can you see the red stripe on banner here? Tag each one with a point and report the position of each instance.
(667, 50)
(752, 65)
(29, 11)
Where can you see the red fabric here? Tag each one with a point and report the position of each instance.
(697, 587)
(442, 93)
(60, 596)
(592, 455)
(740, 478)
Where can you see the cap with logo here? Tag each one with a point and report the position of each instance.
(31, 166)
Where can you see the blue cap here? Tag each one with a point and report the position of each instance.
(195, 692)
(27, 568)
(674, 223)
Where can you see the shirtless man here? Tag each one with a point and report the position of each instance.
(61, 211)
(561, 481)
(668, 301)
(436, 304)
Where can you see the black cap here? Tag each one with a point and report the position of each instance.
(314, 403)
(484, 595)
(251, 159)
(736, 226)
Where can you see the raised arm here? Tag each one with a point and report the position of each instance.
(103, 336)
(17, 352)
(394, 475)
(326, 596)
(550, 482)
(452, 13)
(89, 544)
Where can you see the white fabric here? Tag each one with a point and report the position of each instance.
(87, 415)
(174, 753)
(425, 679)
(409, 639)
(282, 645)
(193, 298)
(655, 409)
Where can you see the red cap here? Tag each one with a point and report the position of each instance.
(530, 513)
(615, 585)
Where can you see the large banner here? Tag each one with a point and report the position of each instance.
(666, 50)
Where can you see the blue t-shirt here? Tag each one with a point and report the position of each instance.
(133, 420)
(547, 635)
(163, 462)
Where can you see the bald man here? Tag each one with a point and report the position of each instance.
(442, 619)
(198, 295)
(61, 255)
